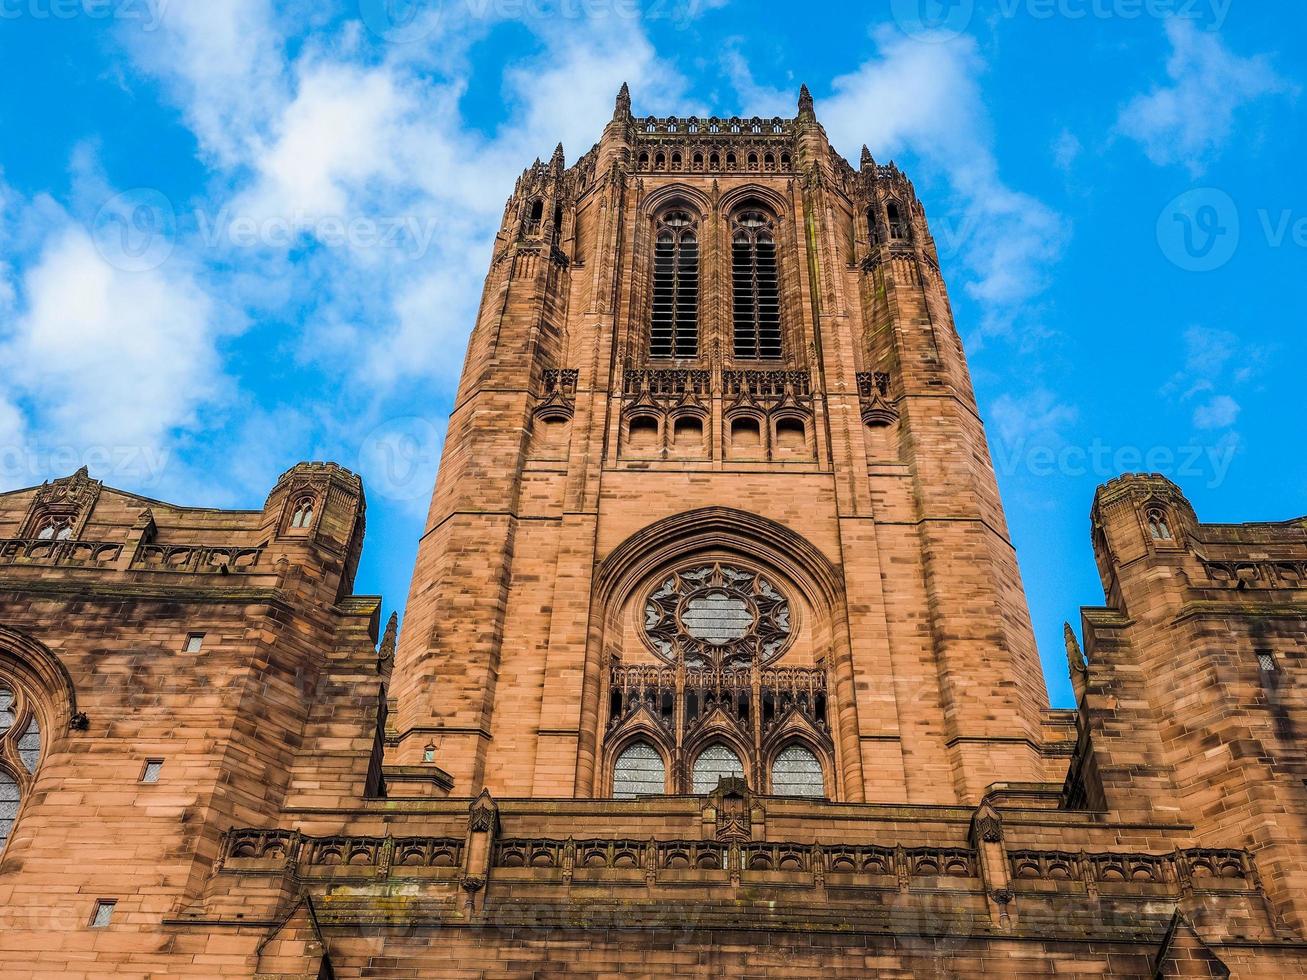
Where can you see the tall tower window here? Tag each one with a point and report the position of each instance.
(796, 772)
(715, 763)
(639, 771)
(674, 326)
(20, 753)
(755, 286)
(898, 228)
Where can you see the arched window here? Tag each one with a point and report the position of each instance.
(755, 286)
(303, 514)
(796, 772)
(20, 753)
(639, 771)
(1158, 526)
(898, 228)
(874, 231)
(55, 529)
(713, 764)
(535, 213)
(674, 323)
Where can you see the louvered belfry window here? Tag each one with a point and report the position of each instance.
(674, 326)
(755, 286)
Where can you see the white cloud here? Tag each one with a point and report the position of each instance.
(223, 65)
(1037, 414)
(1190, 120)
(110, 358)
(1215, 362)
(1067, 149)
(926, 99)
(1219, 413)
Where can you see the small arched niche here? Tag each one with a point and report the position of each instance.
(642, 434)
(746, 437)
(791, 437)
(687, 435)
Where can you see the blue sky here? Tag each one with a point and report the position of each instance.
(238, 234)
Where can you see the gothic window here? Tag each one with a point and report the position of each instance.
(755, 286)
(716, 762)
(874, 231)
(717, 615)
(302, 516)
(674, 327)
(796, 772)
(639, 771)
(898, 228)
(55, 529)
(558, 223)
(20, 753)
(1157, 524)
(536, 212)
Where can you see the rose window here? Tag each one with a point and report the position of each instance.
(717, 615)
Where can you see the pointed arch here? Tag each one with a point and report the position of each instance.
(34, 664)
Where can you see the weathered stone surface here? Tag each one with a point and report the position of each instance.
(799, 563)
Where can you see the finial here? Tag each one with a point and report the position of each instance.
(867, 161)
(623, 108)
(805, 102)
(556, 163)
(387, 649)
(83, 474)
(1075, 658)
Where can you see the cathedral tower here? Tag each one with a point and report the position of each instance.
(715, 493)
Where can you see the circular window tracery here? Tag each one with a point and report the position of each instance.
(717, 614)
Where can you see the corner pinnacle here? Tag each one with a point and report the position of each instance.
(805, 102)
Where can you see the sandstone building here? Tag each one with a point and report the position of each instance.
(716, 661)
